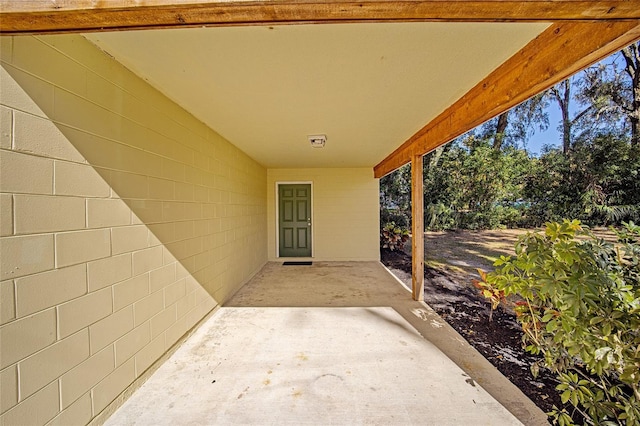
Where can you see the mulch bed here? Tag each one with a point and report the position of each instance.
(499, 340)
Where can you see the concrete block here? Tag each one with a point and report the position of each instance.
(112, 385)
(22, 173)
(130, 291)
(146, 260)
(35, 410)
(6, 127)
(24, 255)
(111, 328)
(149, 354)
(84, 311)
(6, 215)
(104, 92)
(186, 304)
(105, 272)
(40, 136)
(168, 258)
(193, 175)
(86, 375)
(41, 291)
(162, 277)
(103, 213)
(75, 111)
(201, 194)
(176, 331)
(79, 180)
(129, 185)
(135, 220)
(129, 238)
(49, 364)
(178, 250)
(161, 189)
(82, 246)
(132, 342)
(164, 232)
(147, 211)
(6, 49)
(174, 292)
(153, 241)
(192, 211)
(30, 53)
(12, 81)
(173, 170)
(9, 386)
(40, 213)
(184, 191)
(78, 413)
(7, 301)
(163, 320)
(173, 211)
(185, 229)
(148, 307)
(26, 336)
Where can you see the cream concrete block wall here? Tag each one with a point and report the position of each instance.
(346, 221)
(124, 221)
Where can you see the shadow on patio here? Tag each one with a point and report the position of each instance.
(331, 343)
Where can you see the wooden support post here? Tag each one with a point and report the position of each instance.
(417, 228)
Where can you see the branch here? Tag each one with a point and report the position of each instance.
(581, 114)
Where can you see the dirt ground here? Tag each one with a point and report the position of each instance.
(452, 259)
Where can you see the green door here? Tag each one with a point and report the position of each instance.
(294, 221)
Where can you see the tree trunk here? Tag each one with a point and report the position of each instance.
(631, 56)
(503, 121)
(566, 120)
(562, 94)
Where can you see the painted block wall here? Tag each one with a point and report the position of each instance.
(124, 221)
(346, 221)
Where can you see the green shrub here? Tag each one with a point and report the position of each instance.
(579, 307)
(393, 237)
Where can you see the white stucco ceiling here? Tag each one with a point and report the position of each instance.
(368, 87)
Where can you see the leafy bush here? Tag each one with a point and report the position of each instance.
(393, 237)
(394, 215)
(580, 309)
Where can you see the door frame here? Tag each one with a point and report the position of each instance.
(277, 195)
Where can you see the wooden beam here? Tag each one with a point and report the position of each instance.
(560, 51)
(417, 228)
(52, 16)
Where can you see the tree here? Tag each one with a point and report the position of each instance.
(501, 128)
(613, 87)
(515, 126)
(631, 56)
(484, 179)
(561, 93)
(395, 197)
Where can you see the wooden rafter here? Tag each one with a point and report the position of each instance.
(560, 51)
(45, 16)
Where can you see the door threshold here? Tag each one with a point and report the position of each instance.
(297, 263)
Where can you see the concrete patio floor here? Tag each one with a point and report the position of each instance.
(338, 343)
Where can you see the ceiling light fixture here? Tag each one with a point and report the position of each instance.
(317, 141)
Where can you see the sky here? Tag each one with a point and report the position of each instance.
(551, 136)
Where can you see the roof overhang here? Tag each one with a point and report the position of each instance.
(581, 33)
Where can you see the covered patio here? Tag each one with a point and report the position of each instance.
(331, 343)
